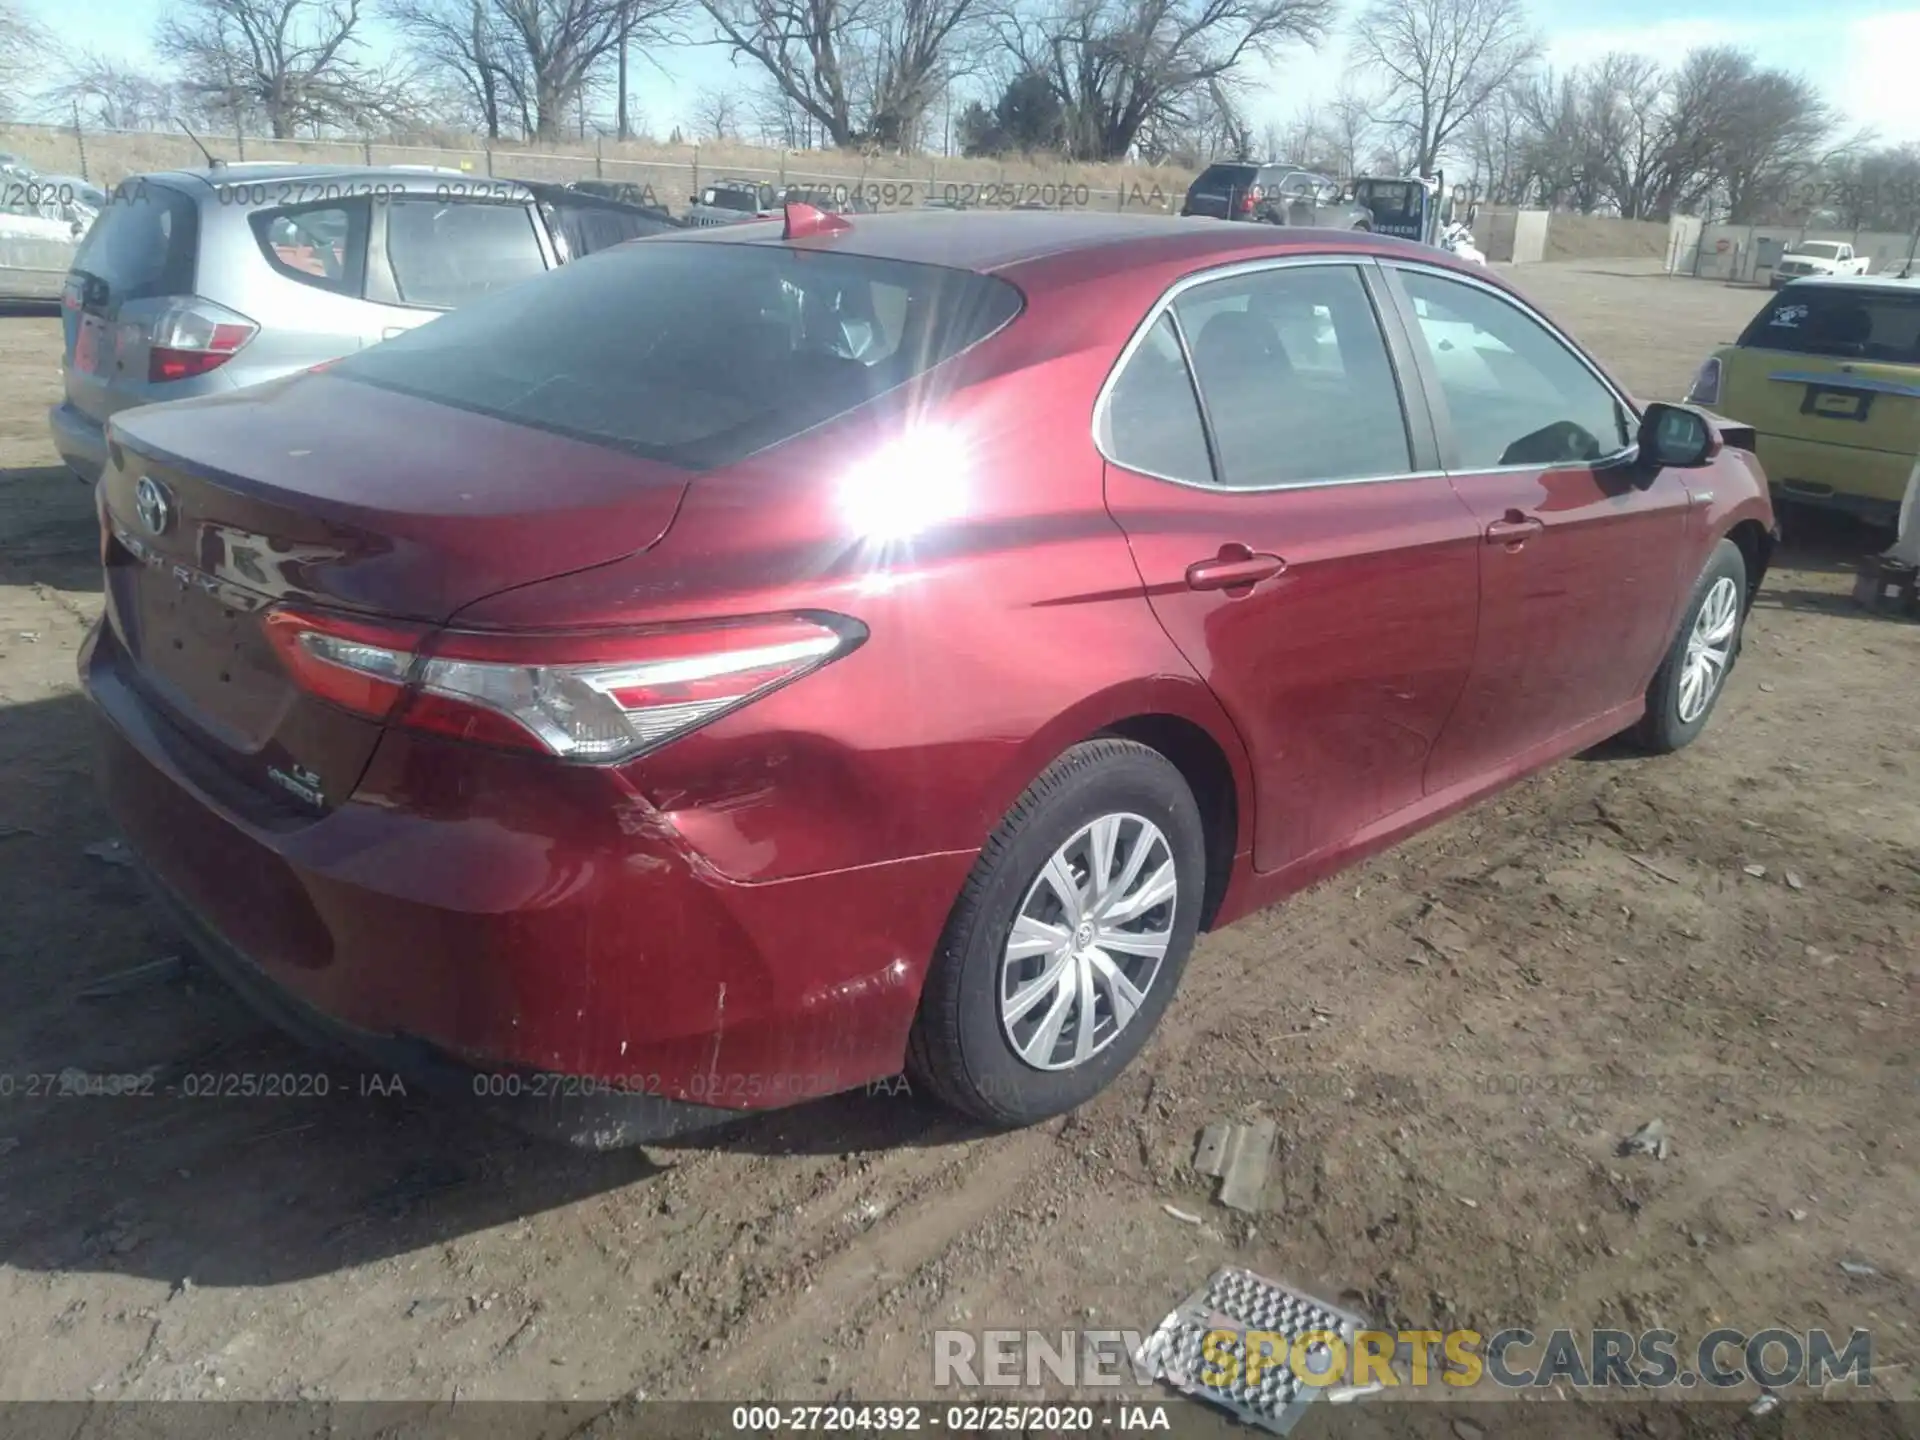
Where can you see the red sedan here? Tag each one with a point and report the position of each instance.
(743, 664)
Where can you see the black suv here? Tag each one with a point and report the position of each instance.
(1273, 195)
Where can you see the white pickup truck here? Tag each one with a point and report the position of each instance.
(1818, 257)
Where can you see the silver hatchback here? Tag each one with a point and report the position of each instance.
(197, 282)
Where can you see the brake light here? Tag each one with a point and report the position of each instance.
(589, 697)
(1249, 199)
(1706, 384)
(192, 336)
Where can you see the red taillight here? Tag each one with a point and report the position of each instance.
(1249, 199)
(192, 336)
(597, 697)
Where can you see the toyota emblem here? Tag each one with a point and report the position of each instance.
(151, 501)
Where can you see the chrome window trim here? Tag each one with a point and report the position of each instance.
(1164, 304)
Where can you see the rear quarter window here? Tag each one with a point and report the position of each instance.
(1853, 322)
(324, 245)
(144, 243)
(695, 354)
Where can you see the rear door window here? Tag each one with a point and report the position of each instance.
(1295, 376)
(324, 245)
(445, 253)
(142, 245)
(694, 354)
(1853, 321)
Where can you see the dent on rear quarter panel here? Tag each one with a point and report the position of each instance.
(996, 638)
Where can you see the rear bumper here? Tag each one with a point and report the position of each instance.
(1867, 483)
(584, 1113)
(80, 439)
(475, 918)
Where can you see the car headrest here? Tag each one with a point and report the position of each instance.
(1231, 343)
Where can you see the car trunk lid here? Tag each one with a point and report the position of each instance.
(324, 494)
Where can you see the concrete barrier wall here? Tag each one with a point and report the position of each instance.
(1530, 236)
(1493, 232)
(1747, 252)
(1602, 237)
(1527, 237)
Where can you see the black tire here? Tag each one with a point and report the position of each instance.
(959, 1050)
(1663, 730)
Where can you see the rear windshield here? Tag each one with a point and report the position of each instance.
(732, 199)
(1850, 320)
(1387, 197)
(1222, 177)
(142, 244)
(1818, 249)
(696, 354)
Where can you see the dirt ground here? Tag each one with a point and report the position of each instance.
(1453, 1039)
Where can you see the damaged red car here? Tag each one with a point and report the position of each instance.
(744, 665)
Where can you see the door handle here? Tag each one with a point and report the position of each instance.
(1514, 529)
(1235, 567)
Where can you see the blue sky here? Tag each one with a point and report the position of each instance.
(1862, 53)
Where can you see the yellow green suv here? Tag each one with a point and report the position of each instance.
(1828, 376)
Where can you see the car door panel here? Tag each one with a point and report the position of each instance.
(1581, 551)
(1344, 647)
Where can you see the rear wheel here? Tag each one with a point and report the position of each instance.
(1068, 940)
(1688, 684)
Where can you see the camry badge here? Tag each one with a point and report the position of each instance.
(151, 501)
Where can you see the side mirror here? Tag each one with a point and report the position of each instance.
(1672, 437)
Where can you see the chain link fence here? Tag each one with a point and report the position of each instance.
(668, 176)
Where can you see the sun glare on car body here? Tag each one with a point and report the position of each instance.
(909, 485)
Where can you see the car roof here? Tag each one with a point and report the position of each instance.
(1896, 284)
(990, 240)
(269, 171)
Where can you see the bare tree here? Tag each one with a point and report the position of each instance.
(1627, 95)
(1773, 137)
(25, 48)
(529, 65)
(292, 62)
(1496, 143)
(778, 121)
(867, 71)
(113, 95)
(1440, 60)
(1349, 129)
(716, 113)
(461, 41)
(1128, 68)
